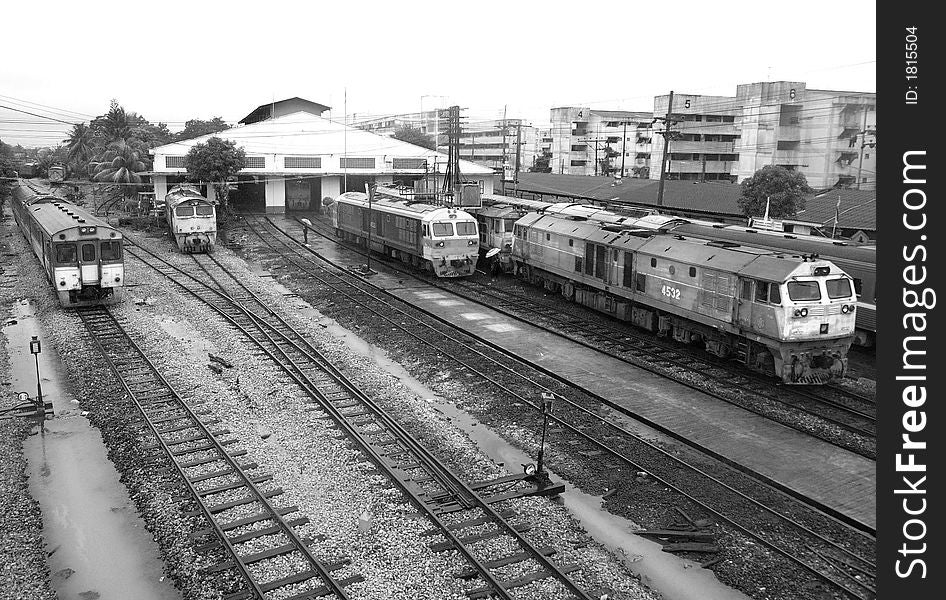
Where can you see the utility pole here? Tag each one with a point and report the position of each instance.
(860, 159)
(623, 147)
(597, 139)
(451, 182)
(663, 160)
(518, 153)
(502, 178)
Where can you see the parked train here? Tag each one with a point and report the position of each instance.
(435, 238)
(82, 255)
(788, 316)
(191, 218)
(56, 174)
(856, 260)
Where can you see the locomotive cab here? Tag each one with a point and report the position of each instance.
(453, 244)
(85, 268)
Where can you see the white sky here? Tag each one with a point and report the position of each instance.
(176, 60)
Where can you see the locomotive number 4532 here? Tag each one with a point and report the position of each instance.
(670, 292)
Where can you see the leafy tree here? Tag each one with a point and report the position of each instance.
(215, 161)
(641, 172)
(786, 189)
(7, 170)
(415, 136)
(120, 164)
(80, 146)
(604, 164)
(113, 126)
(197, 127)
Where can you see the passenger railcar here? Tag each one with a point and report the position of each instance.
(435, 238)
(82, 255)
(788, 316)
(191, 218)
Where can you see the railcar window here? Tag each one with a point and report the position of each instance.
(466, 228)
(571, 243)
(443, 229)
(88, 252)
(111, 250)
(653, 262)
(804, 290)
(692, 271)
(184, 211)
(204, 210)
(548, 236)
(838, 288)
(775, 295)
(509, 223)
(858, 287)
(640, 282)
(672, 270)
(66, 253)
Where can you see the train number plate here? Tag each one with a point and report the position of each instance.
(670, 292)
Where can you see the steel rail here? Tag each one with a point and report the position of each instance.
(97, 318)
(589, 413)
(297, 374)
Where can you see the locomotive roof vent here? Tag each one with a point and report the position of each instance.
(722, 244)
(82, 220)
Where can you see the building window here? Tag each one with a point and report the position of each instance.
(356, 163)
(579, 148)
(302, 162)
(578, 163)
(410, 163)
(174, 162)
(255, 162)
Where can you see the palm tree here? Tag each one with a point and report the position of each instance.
(120, 164)
(80, 147)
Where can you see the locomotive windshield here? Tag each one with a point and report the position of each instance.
(442, 229)
(838, 288)
(466, 228)
(66, 253)
(204, 210)
(184, 211)
(804, 290)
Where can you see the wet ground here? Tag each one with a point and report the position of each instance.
(674, 577)
(98, 546)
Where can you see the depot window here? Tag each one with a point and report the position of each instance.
(66, 253)
(838, 288)
(443, 229)
(111, 250)
(204, 210)
(184, 211)
(466, 228)
(802, 291)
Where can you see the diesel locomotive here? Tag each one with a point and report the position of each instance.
(789, 316)
(439, 239)
(191, 218)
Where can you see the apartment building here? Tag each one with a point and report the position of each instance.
(830, 136)
(588, 141)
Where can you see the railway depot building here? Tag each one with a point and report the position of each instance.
(295, 158)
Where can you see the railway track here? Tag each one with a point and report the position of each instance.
(258, 538)
(820, 413)
(461, 513)
(818, 554)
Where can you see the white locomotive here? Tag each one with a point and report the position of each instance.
(191, 218)
(435, 238)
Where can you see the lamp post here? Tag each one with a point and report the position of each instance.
(547, 400)
(35, 349)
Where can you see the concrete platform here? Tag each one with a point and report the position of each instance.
(837, 478)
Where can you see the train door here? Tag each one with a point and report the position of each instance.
(88, 262)
(613, 266)
(744, 303)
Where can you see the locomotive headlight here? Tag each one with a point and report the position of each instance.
(471, 242)
(804, 312)
(439, 244)
(844, 308)
(117, 279)
(62, 283)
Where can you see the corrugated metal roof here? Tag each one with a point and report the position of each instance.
(858, 207)
(305, 134)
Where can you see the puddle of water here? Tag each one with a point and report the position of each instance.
(98, 545)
